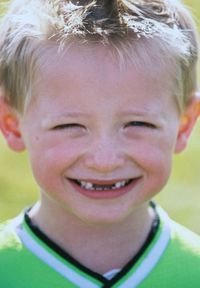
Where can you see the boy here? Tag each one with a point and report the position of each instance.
(100, 94)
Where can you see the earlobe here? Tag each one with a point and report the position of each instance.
(187, 123)
(9, 126)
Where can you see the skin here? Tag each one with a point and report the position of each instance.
(90, 120)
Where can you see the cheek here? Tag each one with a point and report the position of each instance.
(50, 159)
(154, 157)
(156, 162)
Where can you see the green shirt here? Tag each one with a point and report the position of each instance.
(170, 260)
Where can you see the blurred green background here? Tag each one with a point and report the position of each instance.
(181, 197)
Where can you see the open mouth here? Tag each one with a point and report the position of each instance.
(86, 185)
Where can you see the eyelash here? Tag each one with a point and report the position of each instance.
(140, 124)
(130, 124)
(68, 126)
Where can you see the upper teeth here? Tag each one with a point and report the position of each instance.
(92, 186)
(86, 185)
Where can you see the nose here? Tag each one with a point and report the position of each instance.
(104, 156)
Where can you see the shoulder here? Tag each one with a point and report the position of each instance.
(181, 239)
(13, 254)
(11, 250)
(9, 241)
(184, 244)
(17, 263)
(179, 264)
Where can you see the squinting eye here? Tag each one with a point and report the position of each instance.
(68, 126)
(140, 124)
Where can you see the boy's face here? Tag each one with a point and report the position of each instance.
(100, 139)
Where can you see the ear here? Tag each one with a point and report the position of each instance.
(9, 126)
(187, 123)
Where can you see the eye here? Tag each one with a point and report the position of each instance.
(68, 126)
(140, 124)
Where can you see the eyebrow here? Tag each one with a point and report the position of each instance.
(151, 115)
(139, 112)
(63, 117)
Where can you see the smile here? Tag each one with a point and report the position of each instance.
(102, 186)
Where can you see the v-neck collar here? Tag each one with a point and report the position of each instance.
(131, 275)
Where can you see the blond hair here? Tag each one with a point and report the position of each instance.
(29, 24)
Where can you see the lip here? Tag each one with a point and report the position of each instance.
(104, 194)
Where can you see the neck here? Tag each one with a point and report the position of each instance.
(84, 241)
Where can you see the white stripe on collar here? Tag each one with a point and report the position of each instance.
(154, 255)
(53, 262)
(133, 281)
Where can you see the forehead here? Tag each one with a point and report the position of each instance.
(87, 58)
(92, 80)
(79, 68)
